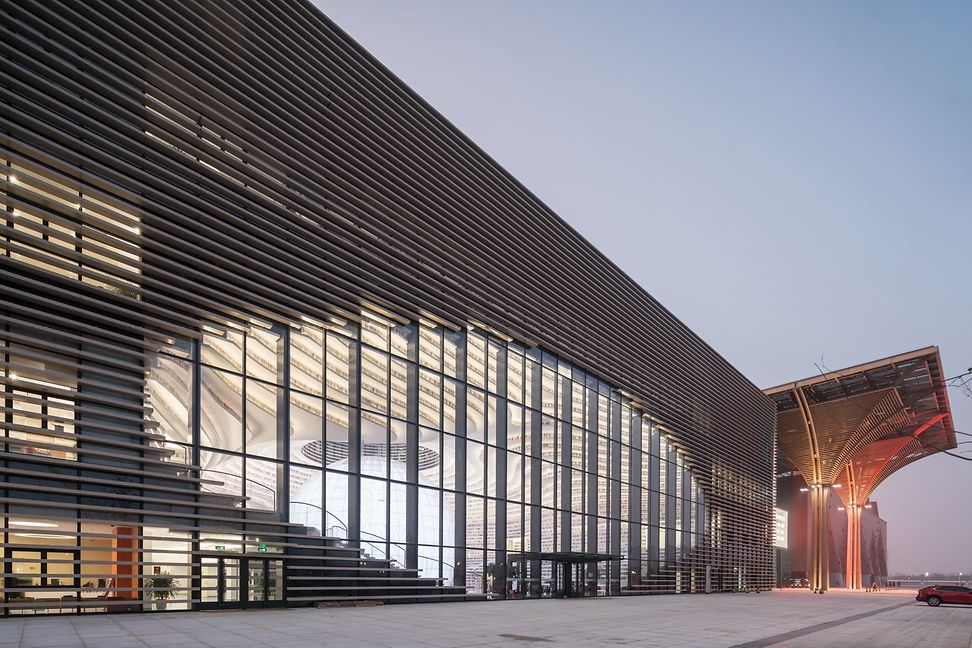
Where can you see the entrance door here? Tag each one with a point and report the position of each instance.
(220, 582)
(256, 583)
(264, 582)
(578, 581)
(237, 582)
(551, 579)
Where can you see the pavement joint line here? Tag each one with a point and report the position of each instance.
(765, 642)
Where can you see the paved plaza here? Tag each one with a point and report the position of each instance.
(794, 618)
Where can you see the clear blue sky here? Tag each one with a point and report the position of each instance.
(793, 180)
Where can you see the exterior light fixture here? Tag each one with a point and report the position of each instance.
(804, 490)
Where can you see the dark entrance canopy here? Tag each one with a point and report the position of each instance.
(568, 557)
(572, 573)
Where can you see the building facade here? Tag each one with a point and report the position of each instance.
(273, 332)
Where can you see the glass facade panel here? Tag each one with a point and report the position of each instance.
(169, 391)
(375, 379)
(261, 418)
(464, 451)
(307, 360)
(221, 409)
(339, 365)
(262, 478)
(374, 517)
(263, 351)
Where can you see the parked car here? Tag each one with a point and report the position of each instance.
(935, 595)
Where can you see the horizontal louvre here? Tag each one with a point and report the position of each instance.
(227, 278)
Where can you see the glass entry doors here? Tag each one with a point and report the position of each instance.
(579, 579)
(264, 582)
(557, 574)
(238, 582)
(220, 582)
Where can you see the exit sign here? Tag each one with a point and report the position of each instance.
(220, 547)
(262, 548)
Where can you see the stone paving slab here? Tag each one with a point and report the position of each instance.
(788, 618)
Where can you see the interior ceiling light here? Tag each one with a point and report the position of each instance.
(42, 535)
(29, 523)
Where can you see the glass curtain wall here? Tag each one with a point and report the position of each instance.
(449, 452)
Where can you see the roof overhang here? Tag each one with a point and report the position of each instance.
(858, 425)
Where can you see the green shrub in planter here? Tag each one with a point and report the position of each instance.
(160, 586)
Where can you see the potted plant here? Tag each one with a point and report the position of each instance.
(160, 587)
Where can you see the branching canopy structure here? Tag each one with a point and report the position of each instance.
(850, 429)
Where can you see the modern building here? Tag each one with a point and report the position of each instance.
(840, 434)
(274, 332)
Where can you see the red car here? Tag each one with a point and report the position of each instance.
(935, 595)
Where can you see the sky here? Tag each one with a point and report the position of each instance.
(792, 180)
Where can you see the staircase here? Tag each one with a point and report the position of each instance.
(322, 569)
